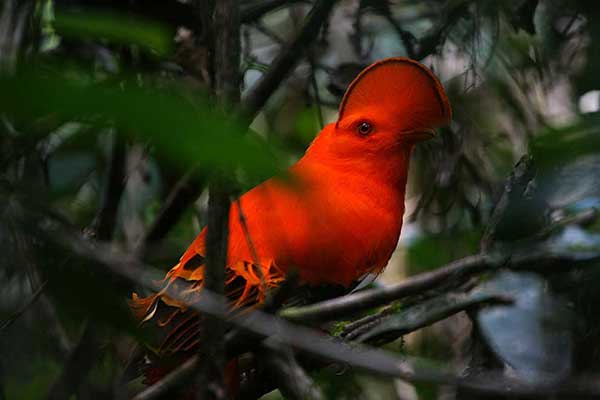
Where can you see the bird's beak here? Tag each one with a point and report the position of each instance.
(420, 135)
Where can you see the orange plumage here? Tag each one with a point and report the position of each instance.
(339, 215)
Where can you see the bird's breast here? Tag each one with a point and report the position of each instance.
(331, 232)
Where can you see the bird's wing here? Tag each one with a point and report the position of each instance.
(246, 285)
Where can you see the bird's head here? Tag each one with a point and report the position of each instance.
(390, 106)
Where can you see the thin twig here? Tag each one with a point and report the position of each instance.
(315, 87)
(244, 224)
(583, 218)
(451, 13)
(407, 38)
(10, 320)
(366, 320)
(185, 192)
(28, 259)
(259, 26)
(253, 253)
(287, 59)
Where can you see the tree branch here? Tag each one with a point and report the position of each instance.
(304, 339)
(458, 271)
(227, 88)
(359, 301)
(390, 327)
(292, 379)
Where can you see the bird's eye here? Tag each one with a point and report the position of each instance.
(364, 128)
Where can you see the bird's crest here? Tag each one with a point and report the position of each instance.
(399, 84)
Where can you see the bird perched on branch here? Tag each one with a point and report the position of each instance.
(336, 218)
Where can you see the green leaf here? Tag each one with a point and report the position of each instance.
(186, 132)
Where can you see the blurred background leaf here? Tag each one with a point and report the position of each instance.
(532, 337)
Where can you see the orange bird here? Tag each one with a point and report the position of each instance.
(337, 219)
